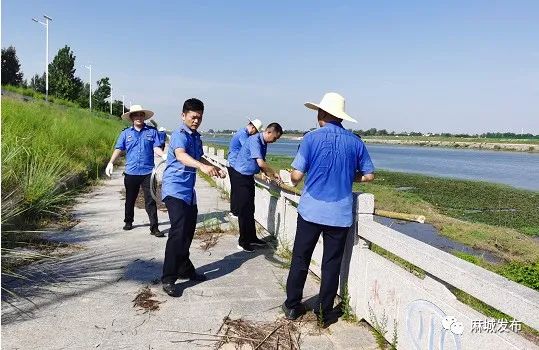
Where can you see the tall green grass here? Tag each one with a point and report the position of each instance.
(47, 153)
(38, 95)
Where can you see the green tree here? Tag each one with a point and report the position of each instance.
(101, 94)
(117, 108)
(11, 67)
(84, 94)
(38, 83)
(62, 80)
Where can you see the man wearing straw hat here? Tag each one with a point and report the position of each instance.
(333, 159)
(140, 142)
(237, 141)
(178, 191)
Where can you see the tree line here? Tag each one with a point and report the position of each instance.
(384, 132)
(63, 83)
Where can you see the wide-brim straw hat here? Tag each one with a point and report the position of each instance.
(257, 123)
(137, 108)
(333, 103)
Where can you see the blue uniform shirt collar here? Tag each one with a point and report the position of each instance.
(144, 127)
(188, 130)
(334, 124)
(262, 138)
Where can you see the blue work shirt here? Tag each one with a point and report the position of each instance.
(178, 179)
(254, 148)
(138, 146)
(235, 145)
(162, 137)
(330, 157)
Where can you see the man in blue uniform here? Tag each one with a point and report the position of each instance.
(178, 191)
(251, 160)
(162, 133)
(333, 159)
(139, 142)
(237, 141)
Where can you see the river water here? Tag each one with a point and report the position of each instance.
(517, 169)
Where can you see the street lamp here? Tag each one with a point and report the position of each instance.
(123, 104)
(46, 25)
(111, 100)
(89, 67)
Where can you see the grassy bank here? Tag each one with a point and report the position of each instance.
(47, 153)
(38, 96)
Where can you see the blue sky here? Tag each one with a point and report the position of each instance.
(455, 66)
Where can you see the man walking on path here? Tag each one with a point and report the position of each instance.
(251, 160)
(140, 142)
(237, 141)
(178, 191)
(333, 158)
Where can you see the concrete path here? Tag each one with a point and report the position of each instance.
(85, 301)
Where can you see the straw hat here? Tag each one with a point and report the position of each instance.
(333, 103)
(137, 108)
(257, 124)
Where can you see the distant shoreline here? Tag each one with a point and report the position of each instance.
(493, 146)
(477, 144)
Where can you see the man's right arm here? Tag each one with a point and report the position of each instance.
(203, 165)
(364, 178)
(115, 155)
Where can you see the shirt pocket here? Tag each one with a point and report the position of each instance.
(149, 140)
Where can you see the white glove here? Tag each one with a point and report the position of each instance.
(108, 169)
(285, 177)
(164, 156)
(162, 129)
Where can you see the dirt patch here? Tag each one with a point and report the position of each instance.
(210, 232)
(144, 300)
(139, 203)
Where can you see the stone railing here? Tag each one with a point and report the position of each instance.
(418, 312)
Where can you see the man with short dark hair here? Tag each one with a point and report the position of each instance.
(237, 141)
(178, 192)
(333, 159)
(250, 161)
(140, 142)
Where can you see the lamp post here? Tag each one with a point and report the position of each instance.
(123, 104)
(111, 100)
(46, 25)
(89, 67)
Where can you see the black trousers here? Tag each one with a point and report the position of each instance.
(307, 234)
(245, 199)
(183, 220)
(132, 185)
(233, 175)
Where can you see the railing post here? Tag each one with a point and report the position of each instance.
(353, 267)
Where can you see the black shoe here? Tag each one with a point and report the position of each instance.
(170, 289)
(246, 247)
(155, 231)
(128, 226)
(294, 313)
(258, 242)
